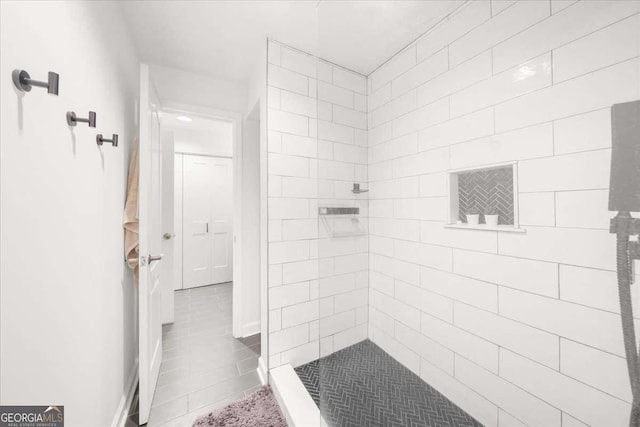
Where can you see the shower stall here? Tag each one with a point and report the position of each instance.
(439, 249)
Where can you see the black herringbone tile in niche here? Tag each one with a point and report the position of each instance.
(362, 386)
(486, 188)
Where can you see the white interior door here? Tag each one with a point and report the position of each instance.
(150, 214)
(207, 195)
(168, 233)
(197, 205)
(222, 220)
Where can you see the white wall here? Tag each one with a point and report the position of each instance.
(182, 86)
(317, 144)
(203, 142)
(68, 309)
(257, 98)
(251, 226)
(515, 328)
(177, 219)
(201, 134)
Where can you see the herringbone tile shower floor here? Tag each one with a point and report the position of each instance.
(362, 386)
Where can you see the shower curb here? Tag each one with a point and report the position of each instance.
(293, 398)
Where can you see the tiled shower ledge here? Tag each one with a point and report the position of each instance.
(504, 228)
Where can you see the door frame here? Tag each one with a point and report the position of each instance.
(236, 120)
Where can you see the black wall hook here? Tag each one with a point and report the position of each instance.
(22, 80)
(72, 119)
(101, 140)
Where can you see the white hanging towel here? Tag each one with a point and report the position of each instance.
(131, 229)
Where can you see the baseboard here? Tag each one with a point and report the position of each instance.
(250, 329)
(122, 412)
(262, 371)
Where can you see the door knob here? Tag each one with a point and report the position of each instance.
(153, 258)
(168, 236)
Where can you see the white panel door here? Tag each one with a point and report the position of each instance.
(207, 210)
(222, 220)
(150, 216)
(197, 197)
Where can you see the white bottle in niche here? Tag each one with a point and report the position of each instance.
(491, 216)
(473, 216)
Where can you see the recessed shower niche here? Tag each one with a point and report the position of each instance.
(484, 198)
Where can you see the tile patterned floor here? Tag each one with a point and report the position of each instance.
(203, 366)
(362, 386)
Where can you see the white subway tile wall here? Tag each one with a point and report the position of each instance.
(516, 328)
(318, 283)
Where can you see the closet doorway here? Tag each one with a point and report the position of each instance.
(203, 202)
(207, 219)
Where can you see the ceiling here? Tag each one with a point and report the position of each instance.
(223, 39)
(198, 123)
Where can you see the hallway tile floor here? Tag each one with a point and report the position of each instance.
(203, 367)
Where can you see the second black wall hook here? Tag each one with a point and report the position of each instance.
(72, 119)
(101, 140)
